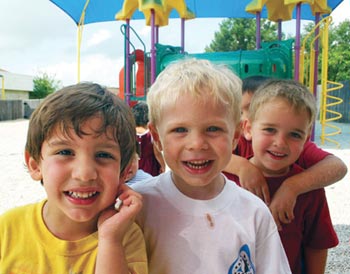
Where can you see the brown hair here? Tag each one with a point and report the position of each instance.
(71, 106)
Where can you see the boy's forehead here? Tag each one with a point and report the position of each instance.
(92, 126)
(281, 102)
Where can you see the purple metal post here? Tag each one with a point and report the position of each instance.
(297, 43)
(153, 50)
(316, 48)
(182, 35)
(127, 63)
(157, 34)
(279, 22)
(258, 27)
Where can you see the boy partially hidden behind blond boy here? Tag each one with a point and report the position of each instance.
(279, 122)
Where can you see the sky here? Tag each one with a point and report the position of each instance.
(37, 37)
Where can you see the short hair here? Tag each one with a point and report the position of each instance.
(71, 106)
(252, 83)
(140, 112)
(296, 94)
(195, 78)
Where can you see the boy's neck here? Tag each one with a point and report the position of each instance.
(66, 229)
(141, 130)
(207, 192)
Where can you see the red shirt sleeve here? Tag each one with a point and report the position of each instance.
(311, 155)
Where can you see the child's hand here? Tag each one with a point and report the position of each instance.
(251, 179)
(113, 224)
(282, 205)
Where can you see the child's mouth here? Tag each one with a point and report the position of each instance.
(197, 164)
(81, 195)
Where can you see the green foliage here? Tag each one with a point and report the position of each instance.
(240, 34)
(43, 86)
(338, 50)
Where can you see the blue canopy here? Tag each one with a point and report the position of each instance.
(105, 10)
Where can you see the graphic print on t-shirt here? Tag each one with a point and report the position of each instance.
(243, 264)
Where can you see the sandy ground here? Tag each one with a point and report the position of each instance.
(17, 188)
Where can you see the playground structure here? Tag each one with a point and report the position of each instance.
(278, 59)
(327, 115)
(273, 59)
(140, 84)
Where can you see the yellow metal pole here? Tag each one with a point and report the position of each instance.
(3, 97)
(80, 35)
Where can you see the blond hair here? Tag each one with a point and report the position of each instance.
(198, 79)
(296, 94)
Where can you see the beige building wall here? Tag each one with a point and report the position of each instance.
(15, 86)
(17, 94)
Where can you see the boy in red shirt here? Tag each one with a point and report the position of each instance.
(278, 125)
(320, 167)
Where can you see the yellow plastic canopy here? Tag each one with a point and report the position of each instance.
(282, 10)
(162, 9)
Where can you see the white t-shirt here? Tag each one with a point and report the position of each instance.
(231, 233)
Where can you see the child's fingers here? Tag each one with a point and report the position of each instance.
(289, 216)
(276, 218)
(284, 218)
(266, 195)
(133, 201)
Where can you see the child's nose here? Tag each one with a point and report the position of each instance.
(197, 142)
(84, 170)
(280, 140)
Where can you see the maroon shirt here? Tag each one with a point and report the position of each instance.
(148, 161)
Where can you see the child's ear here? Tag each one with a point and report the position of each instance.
(124, 174)
(33, 167)
(237, 135)
(155, 136)
(247, 128)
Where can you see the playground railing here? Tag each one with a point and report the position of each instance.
(130, 78)
(308, 76)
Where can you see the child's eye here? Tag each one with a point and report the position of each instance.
(213, 129)
(296, 135)
(180, 130)
(269, 130)
(105, 155)
(65, 152)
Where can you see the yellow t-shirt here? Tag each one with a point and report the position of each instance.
(28, 247)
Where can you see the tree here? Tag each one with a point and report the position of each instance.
(240, 34)
(43, 86)
(338, 50)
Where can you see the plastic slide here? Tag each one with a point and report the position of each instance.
(139, 59)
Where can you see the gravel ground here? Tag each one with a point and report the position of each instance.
(17, 188)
